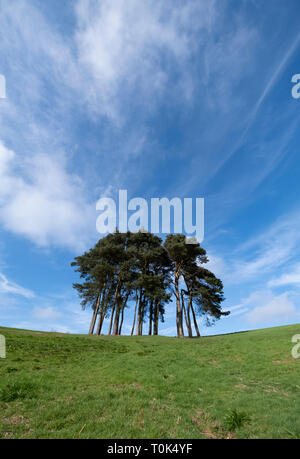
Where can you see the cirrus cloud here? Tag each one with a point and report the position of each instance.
(279, 309)
(41, 201)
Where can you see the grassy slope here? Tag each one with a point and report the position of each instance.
(67, 386)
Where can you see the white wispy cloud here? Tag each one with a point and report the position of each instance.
(131, 49)
(237, 312)
(40, 326)
(263, 255)
(46, 313)
(9, 287)
(40, 200)
(119, 57)
(279, 309)
(117, 52)
(227, 58)
(264, 307)
(279, 67)
(292, 277)
(122, 60)
(59, 312)
(169, 331)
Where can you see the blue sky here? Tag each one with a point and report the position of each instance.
(174, 98)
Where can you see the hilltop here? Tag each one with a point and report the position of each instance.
(242, 385)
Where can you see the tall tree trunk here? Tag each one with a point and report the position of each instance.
(93, 321)
(134, 318)
(102, 312)
(99, 326)
(122, 318)
(111, 319)
(117, 317)
(189, 314)
(117, 309)
(180, 333)
(122, 314)
(150, 318)
(188, 324)
(138, 324)
(101, 320)
(142, 317)
(100, 323)
(156, 311)
(195, 321)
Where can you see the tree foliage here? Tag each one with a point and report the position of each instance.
(137, 269)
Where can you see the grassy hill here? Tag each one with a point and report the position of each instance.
(243, 385)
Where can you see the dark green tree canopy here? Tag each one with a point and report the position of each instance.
(125, 268)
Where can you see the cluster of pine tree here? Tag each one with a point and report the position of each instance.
(139, 269)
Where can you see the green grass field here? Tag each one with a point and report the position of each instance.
(243, 385)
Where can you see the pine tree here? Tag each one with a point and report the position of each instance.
(136, 268)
